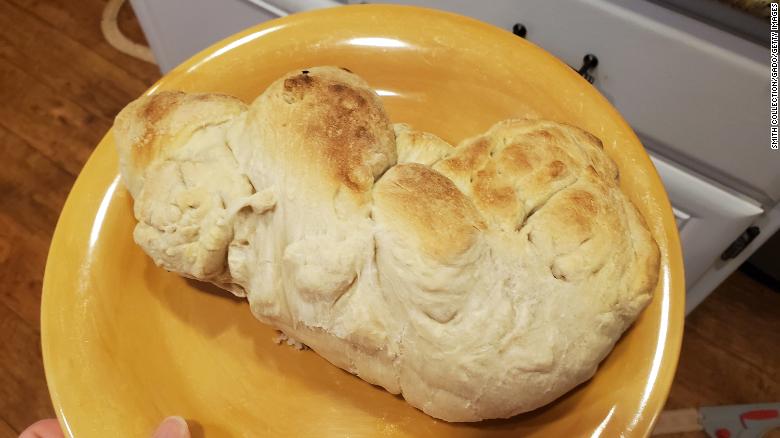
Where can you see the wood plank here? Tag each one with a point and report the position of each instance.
(58, 128)
(48, 81)
(82, 76)
(719, 377)
(34, 188)
(729, 353)
(34, 191)
(6, 431)
(696, 434)
(677, 421)
(743, 319)
(682, 395)
(82, 24)
(23, 257)
(24, 398)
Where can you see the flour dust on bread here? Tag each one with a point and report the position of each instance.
(479, 281)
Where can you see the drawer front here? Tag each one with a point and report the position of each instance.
(700, 94)
(708, 217)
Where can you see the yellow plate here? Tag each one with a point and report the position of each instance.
(126, 344)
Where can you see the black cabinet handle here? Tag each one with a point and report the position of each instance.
(740, 243)
(589, 61)
(519, 30)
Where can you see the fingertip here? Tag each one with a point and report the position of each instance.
(48, 428)
(173, 427)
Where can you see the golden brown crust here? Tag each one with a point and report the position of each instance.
(426, 205)
(331, 117)
(153, 126)
(172, 153)
(518, 164)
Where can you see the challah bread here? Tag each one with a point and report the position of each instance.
(480, 280)
(176, 164)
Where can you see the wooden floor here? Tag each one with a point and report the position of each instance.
(60, 86)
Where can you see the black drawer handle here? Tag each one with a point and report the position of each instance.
(519, 30)
(738, 245)
(589, 61)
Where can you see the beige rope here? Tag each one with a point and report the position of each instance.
(112, 34)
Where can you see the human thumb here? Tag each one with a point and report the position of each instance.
(172, 427)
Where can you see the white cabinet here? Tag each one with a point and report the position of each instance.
(178, 29)
(709, 217)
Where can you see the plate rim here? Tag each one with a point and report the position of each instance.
(673, 295)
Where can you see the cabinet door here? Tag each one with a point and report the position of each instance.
(709, 218)
(178, 29)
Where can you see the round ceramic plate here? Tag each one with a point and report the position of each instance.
(126, 343)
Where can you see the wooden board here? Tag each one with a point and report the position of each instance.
(23, 395)
(61, 87)
(80, 22)
(729, 353)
